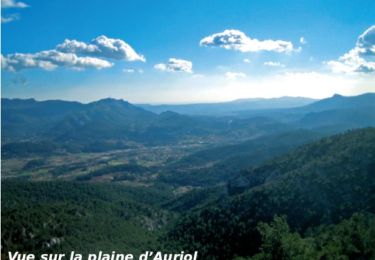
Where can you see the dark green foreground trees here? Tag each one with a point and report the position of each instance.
(350, 239)
(60, 217)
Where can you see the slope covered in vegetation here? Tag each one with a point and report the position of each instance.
(42, 217)
(318, 184)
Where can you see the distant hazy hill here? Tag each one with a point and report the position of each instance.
(111, 123)
(320, 183)
(331, 115)
(342, 102)
(227, 108)
(25, 118)
(103, 119)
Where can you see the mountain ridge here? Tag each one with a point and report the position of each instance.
(116, 120)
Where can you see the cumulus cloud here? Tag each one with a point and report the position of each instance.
(49, 60)
(175, 65)
(302, 40)
(9, 4)
(274, 64)
(102, 47)
(12, 4)
(74, 54)
(74, 46)
(359, 59)
(237, 40)
(234, 75)
(246, 60)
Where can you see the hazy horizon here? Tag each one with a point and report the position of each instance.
(192, 103)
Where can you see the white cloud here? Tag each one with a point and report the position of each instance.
(160, 66)
(359, 59)
(128, 70)
(302, 40)
(8, 4)
(237, 40)
(175, 65)
(246, 60)
(74, 46)
(274, 64)
(12, 4)
(367, 40)
(131, 70)
(9, 18)
(102, 47)
(234, 75)
(75, 55)
(49, 60)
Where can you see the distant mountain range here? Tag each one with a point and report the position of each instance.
(228, 108)
(117, 122)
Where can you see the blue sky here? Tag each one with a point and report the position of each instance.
(186, 51)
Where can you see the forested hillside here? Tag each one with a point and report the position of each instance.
(42, 217)
(321, 183)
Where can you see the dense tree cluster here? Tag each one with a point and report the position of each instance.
(63, 216)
